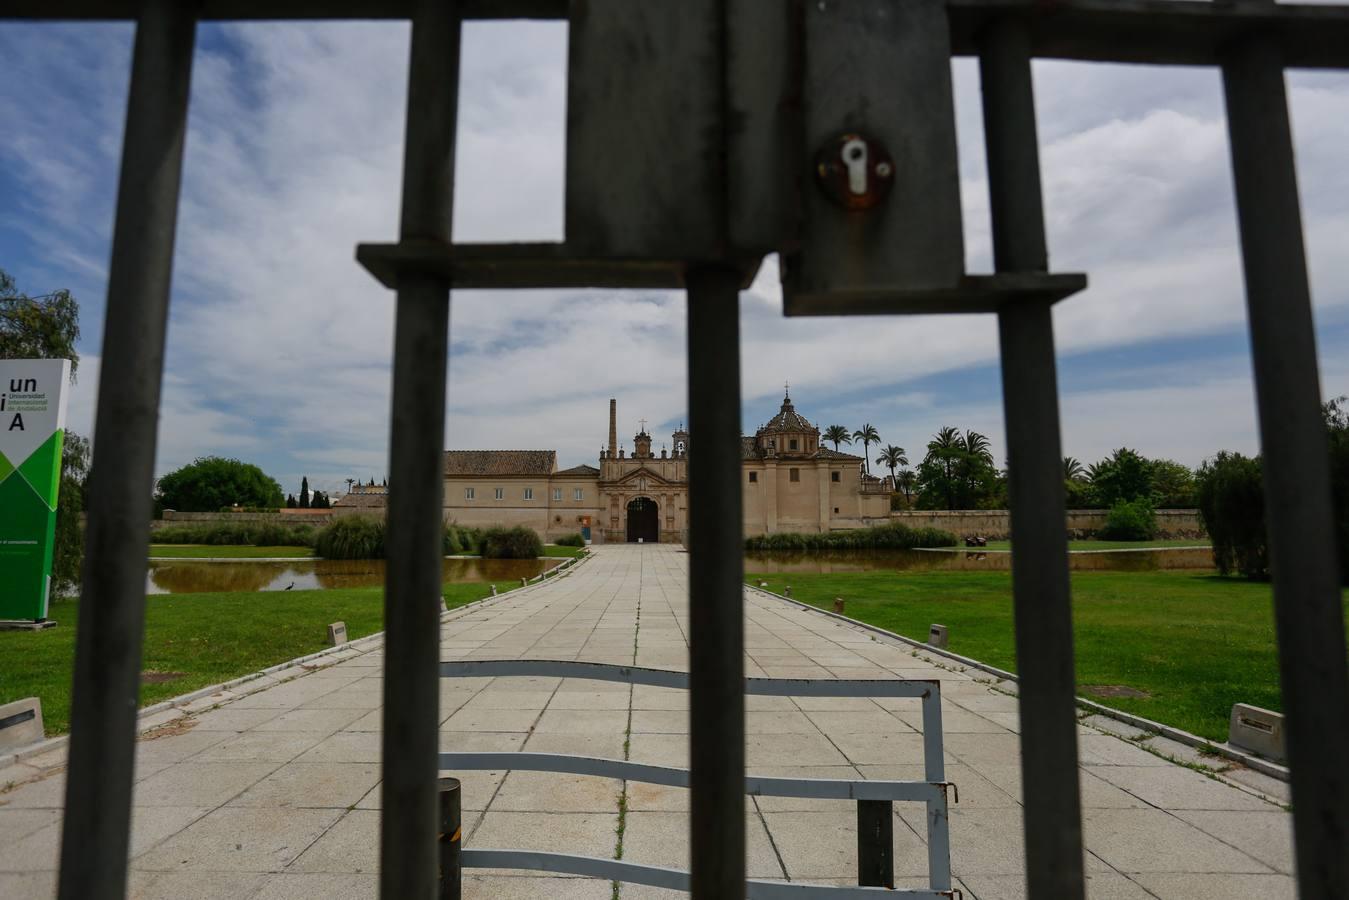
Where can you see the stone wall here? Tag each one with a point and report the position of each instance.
(995, 523)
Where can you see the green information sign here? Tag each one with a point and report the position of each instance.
(32, 433)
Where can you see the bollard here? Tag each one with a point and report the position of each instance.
(938, 637)
(494, 590)
(449, 823)
(787, 592)
(524, 582)
(875, 844)
(838, 605)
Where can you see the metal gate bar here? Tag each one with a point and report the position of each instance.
(1042, 602)
(412, 601)
(1307, 604)
(106, 690)
(716, 586)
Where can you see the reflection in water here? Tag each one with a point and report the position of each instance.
(311, 574)
(972, 561)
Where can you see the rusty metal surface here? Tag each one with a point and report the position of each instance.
(882, 69)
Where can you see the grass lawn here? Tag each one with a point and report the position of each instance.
(1196, 643)
(553, 550)
(227, 551)
(209, 638)
(1108, 545)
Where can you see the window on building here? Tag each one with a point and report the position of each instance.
(557, 494)
(835, 476)
(794, 474)
(529, 493)
(468, 493)
(578, 494)
(793, 444)
(835, 510)
(753, 477)
(501, 493)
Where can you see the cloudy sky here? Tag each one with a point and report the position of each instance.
(279, 344)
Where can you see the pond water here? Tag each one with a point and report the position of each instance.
(189, 577)
(973, 561)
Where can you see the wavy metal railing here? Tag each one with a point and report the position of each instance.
(932, 791)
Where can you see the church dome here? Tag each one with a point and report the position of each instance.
(788, 420)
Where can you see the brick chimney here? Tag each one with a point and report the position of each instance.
(613, 428)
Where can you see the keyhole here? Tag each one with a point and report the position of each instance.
(855, 158)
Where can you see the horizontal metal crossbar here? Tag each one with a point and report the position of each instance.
(1162, 32)
(671, 879)
(758, 786)
(665, 678)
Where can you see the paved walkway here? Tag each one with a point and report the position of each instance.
(275, 795)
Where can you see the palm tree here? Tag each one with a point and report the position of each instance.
(975, 444)
(893, 458)
(1073, 469)
(906, 482)
(868, 435)
(943, 450)
(838, 434)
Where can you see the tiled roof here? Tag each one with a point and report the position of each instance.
(500, 462)
(788, 419)
(582, 469)
(827, 453)
(362, 501)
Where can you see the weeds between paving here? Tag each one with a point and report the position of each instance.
(1192, 644)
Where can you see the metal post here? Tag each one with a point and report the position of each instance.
(938, 812)
(875, 843)
(1301, 525)
(1043, 605)
(450, 839)
(106, 686)
(716, 589)
(413, 601)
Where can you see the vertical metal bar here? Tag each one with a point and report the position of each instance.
(938, 820)
(876, 844)
(1043, 605)
(1301, 525)
(413, 603)
(106, 687)
(450, 840)
(716, 588)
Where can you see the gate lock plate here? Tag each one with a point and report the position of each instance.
(854, 171)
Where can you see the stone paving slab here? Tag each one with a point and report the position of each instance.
(274, 793)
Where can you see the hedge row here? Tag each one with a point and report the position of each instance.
(892, 536)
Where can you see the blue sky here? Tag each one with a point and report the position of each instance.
(279, 344)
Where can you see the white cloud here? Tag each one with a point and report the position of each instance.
(280, 343)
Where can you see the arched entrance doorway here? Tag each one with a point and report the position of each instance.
(643, 521)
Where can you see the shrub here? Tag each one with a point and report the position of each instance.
(571, 540)
(1130, 520)
(891, 536)
(461, 539)
(510, 543)
(1232, 509)
(268, 534)
(351, 537)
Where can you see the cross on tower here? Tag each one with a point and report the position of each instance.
(643, 424)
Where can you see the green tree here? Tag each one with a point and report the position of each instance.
(1123, 475)
(1232, 509)
(906, 481)
(46, 327)
(291, 503)
(1172, 484)
(1073, 470)
(937, 471)
(892, 457)
(838, 434)
(957, 472)
(868, 435)
(68, 549)
(211, 483)
(305, 498)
